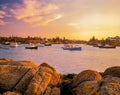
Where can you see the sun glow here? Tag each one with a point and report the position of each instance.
(79, 19)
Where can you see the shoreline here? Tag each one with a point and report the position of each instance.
(26, 78)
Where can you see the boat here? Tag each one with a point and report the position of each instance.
(13, 45)
(72, 47)
(48, 44)
(31, 46)
(107, 46)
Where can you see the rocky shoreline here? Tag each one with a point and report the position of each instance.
(26, 78)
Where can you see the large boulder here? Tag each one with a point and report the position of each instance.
(45, 76)
(10, 76)
(26, 78)
(87, 75)
(91, 82)
(11, 73)
(85, 83)
(112, 71)
(109, 86)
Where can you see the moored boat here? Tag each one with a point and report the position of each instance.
(31, 46)
(72, 47)
(107, 46)
(48, 44)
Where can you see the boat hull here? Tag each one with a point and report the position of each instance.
(73, 49)
(107, 47)
(31, 47)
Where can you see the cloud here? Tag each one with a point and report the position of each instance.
(36, 12)
(2, 22)
(3, 15)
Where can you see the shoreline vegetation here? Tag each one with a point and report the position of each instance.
(57, 40)
(109, 42)
(26, 78)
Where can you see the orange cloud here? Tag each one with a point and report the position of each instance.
(36, 12)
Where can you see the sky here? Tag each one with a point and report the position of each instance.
(73, 19)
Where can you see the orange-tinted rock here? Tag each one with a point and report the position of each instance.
(42, 79)
(27, 64)
(2, 60)
(10, 76)
(52, 91)
(87, 75)
(24, 82)
(11, 93)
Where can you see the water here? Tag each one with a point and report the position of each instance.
(67, 61)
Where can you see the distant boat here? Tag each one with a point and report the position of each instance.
(72, 47)
(48, 44)
(107, 46)
(31, 46)
(14, 45)
(6, 43)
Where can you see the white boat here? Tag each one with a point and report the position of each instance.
(31, 46)
(14, 45)
(72, 47)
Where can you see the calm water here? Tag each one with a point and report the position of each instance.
(67, 61)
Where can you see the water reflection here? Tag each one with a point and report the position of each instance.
(67, 61)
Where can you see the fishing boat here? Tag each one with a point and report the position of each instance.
(48, 44)
(31, 46)
(107, 46)
(72, 47)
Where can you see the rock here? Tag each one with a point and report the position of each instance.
(11, 93)
(87, 75)
(52, 91)
(27, 64)
(86, 88)
(48, 91)
(24, 82)
(55, 91)
(110, 89)
(109, 79)
(5, 60)
(109, 86)
(112, 71)
(56, 77)
(46, 76)
(10, 76)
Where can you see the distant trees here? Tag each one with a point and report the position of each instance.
(56, 40)
(110, 40)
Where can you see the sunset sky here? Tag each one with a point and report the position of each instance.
(73, 19)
